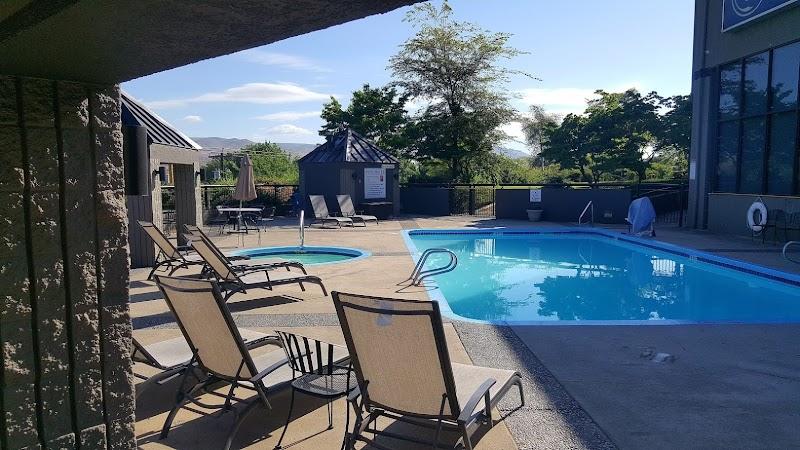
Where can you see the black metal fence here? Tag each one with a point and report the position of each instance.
(213, 195)
(670, 198)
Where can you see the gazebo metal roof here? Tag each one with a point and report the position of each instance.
(159, 131)
(348, 146)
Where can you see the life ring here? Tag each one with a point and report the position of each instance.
(762, 220)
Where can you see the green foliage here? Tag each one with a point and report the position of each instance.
(620, 135)
(271, 164)
(376, 113)
(455, 66)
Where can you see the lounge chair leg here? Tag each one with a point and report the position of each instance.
(238, 423)
(521, 394)
(288, 419)
(465, 438)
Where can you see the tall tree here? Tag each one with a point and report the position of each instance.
(535, 126)
(455, 66)
(377, 113)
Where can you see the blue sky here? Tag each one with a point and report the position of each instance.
(275, 92)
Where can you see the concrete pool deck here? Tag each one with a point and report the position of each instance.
(586, 386)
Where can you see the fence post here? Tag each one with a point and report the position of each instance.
(471, 200)
(680, 211)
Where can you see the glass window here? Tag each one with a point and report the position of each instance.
(730, 81)
(756, 72)
(752, 169)
(727, 156)
(785, 72)
(782, 144)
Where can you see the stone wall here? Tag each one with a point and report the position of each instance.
(65, 331)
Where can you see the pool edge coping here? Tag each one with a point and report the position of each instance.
(362, 254)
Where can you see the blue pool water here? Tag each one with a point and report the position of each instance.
(593, 277)
(308, 255)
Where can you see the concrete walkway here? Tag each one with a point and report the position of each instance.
(726, 386)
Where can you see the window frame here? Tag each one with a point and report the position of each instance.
(741, 117)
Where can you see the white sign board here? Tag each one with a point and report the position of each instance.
(536, 195)
(374, 182)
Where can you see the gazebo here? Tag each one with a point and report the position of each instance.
(348, 163)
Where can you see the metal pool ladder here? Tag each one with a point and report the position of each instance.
(419, 274)
(590, 209)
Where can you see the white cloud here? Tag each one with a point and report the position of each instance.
(514, 131)
(261, 93)
(285, 60)
(193, 119)
(289, 129)
(567, 100)
(289, 115)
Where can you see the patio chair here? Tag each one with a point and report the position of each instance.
(402, 365)
(319, 369)
(196, 232)
(321, 214)
(233, 281)
(172, 356)
(348, 210)
(170, 257)
(220, 352)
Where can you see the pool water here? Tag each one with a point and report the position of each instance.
(587, 277)
(307, 255)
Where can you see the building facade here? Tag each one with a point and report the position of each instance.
(745, 131)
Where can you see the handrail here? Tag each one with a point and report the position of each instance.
(419, 274)
(786, 247)
(589, 207)
(302, 229)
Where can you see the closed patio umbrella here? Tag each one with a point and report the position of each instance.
(245, 184)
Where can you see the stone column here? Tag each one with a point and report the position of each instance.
(65, 331)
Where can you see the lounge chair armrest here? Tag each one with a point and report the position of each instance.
(479, 394)
(354, 394)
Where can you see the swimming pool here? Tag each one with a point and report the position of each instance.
(593, 276)
(308, 255)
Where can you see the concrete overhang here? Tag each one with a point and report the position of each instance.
(106, 41)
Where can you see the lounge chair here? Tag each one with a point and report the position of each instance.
(348, 210)
(172, 356)
(321, 214)
(170, 257)
(233, 281)
(195, 231)
(403, 369)
(220, 352)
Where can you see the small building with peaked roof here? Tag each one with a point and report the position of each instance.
(166, 157)
(349, 163)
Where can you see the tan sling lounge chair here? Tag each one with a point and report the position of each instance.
(220, 352)
(197, 233)
(400, 358)
(232, 281)
(169, 257)
(172, 356)
(348, 210)
(321, 214)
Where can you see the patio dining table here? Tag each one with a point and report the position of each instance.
(239, 211)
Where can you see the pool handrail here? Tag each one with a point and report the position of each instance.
(418, 274)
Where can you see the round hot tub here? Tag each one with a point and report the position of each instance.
(308, 255)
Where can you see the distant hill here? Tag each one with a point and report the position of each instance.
(511, 153)
(214, 144)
